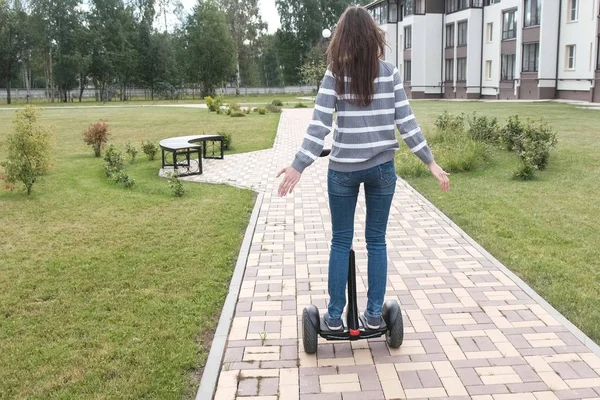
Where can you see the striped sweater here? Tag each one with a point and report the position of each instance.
(364, 136)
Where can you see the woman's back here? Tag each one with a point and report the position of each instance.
(365, 134)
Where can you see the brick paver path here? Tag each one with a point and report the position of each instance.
(470, 331)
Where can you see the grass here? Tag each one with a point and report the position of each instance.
(114, 293)
(289, 101)
(545, 230)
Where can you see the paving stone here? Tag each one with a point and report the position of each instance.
(461, 313)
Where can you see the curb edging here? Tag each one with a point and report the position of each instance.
(212, 368)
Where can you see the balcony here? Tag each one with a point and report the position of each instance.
(453, 6)
(414, 7)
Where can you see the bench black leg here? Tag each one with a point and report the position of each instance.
(163, 158)
(200, 161)
(222, 148)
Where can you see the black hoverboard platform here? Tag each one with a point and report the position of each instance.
(353, 326)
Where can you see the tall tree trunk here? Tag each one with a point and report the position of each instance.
(47, 77)
(51, 73)
(237, 76)
(8, 98)
(82, 83)
(27, 80)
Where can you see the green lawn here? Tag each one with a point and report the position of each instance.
(96, 303)
(109, 292)
(289, 100)
(547, 231)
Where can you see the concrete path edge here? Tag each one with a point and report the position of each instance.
(212, 368)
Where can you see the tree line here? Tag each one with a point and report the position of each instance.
(112, 46)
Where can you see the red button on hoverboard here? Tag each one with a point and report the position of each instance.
(354, 332)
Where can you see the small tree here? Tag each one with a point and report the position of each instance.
(132, 151)
(312, 72)
(28, 149)
(96, 136)
(150, 149)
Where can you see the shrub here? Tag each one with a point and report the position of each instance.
(150, 149)
(447, 121)
(7, 184)
(96, 136)
(446, 135)
(409, 166)
(177, 189)
(483, 129)
(526, 172)
(28, 149)
(255, 109)
(226, 140)
(300, 105)
(213, 104)
(246, 111)
(277, 103)
(114, 161)
(132, 151)
(273, 108)
(234, 106)
(536, 142)
(210, 103)
(511, 133)
(238, 114)
(123, 179)
(228, 111)
(462, 156)
(262, 111)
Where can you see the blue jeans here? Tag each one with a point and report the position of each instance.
(379, 185)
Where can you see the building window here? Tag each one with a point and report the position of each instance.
(393, 12)
(407, 70)
(456, 5)
(531, 53)
(508, 67)
(490, 2)
(409, 8)
(450, 35)
(573, 10)
(449, 71)
(461, 69)
(488, 69)
(570, 59)
(408, 37)
(462, 33)
(380, 13)
(509, 25)
(490, 32)
(533, 10)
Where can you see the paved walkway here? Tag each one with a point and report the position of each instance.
(471, 331)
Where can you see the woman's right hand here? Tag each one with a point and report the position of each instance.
(440, 175)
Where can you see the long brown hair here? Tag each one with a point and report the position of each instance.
(354, 52)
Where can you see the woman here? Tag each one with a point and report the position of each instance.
(370, 101)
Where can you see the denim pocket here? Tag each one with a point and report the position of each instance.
(387, 172)
(339, 177)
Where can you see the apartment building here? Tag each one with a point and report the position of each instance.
(495, 49)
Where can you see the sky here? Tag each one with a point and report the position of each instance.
(267, 9)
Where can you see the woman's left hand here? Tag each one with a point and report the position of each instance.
(292, 176)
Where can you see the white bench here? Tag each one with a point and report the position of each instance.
(186, 145)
